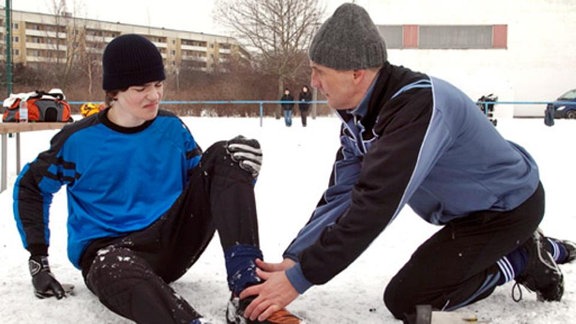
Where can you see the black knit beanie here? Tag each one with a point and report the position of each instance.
(130, 60)
(348, 40)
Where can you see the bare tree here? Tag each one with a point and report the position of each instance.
(56, 46)
(56, 36)
(278, 30)
(70, 58)
(68, 28)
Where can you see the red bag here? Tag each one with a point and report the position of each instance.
(42, 107)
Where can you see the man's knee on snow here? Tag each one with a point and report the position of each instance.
(397, 302)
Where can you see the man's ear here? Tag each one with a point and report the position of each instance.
(358, 75)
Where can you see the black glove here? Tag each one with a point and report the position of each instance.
(44, 282)
(247, 153)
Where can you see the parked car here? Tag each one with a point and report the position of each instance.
(565, 105)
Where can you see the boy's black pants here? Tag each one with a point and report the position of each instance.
(457, 265)
(130, 274)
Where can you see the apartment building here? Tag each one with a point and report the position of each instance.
(45, 38)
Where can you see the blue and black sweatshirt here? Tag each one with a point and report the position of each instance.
(112, 177)
(414, 140)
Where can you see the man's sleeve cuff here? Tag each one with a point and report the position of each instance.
(297, 279)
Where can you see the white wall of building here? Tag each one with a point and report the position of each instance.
(538, 65)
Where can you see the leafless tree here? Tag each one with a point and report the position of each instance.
(88, 54)
(61, 44)
(278, 30)
(57, 36)
(73, 50)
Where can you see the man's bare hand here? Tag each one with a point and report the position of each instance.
(274, 267)
(275, 293)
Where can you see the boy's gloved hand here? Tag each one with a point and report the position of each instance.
(44, 282)
(247, 153)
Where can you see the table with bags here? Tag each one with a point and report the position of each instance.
(16, 128)
(30, 111)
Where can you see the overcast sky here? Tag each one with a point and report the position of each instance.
(195, 15)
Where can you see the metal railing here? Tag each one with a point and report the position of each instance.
(314, 103)
(259, 103)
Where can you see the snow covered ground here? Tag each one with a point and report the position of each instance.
(296, 167)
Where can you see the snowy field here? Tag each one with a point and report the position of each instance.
(297, 164)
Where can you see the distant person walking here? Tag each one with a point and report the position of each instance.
(287, 106)
(304, 99)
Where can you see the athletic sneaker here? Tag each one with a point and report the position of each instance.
(570, 249)
(541, 275)
(235, 314)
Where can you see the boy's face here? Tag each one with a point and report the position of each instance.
(140, 103)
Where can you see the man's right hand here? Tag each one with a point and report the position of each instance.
(274, 267)
(44, 282)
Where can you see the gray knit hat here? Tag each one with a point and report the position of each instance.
(348, 40)
(130, 60)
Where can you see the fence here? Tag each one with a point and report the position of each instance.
(322, 104)
(5, 130)
(560, 109)
(259, 103)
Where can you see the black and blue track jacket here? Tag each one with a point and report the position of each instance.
(414, 140)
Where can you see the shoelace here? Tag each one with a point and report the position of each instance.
(516, 287)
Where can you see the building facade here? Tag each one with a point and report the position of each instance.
(45, 38)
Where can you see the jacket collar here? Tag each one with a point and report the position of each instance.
(362, 109)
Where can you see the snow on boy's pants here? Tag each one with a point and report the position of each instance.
(457, 265)
(130, 274)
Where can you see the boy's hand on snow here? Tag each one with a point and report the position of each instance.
(247, 153)
(44, 282)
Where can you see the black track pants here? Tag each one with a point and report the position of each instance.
(449, 269)
(130, 274)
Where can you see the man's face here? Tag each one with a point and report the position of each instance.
(337, 86)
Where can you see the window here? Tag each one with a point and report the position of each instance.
(454, 37)
(193, 43)
(392, 36)
(445, 36)
(570, 95)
